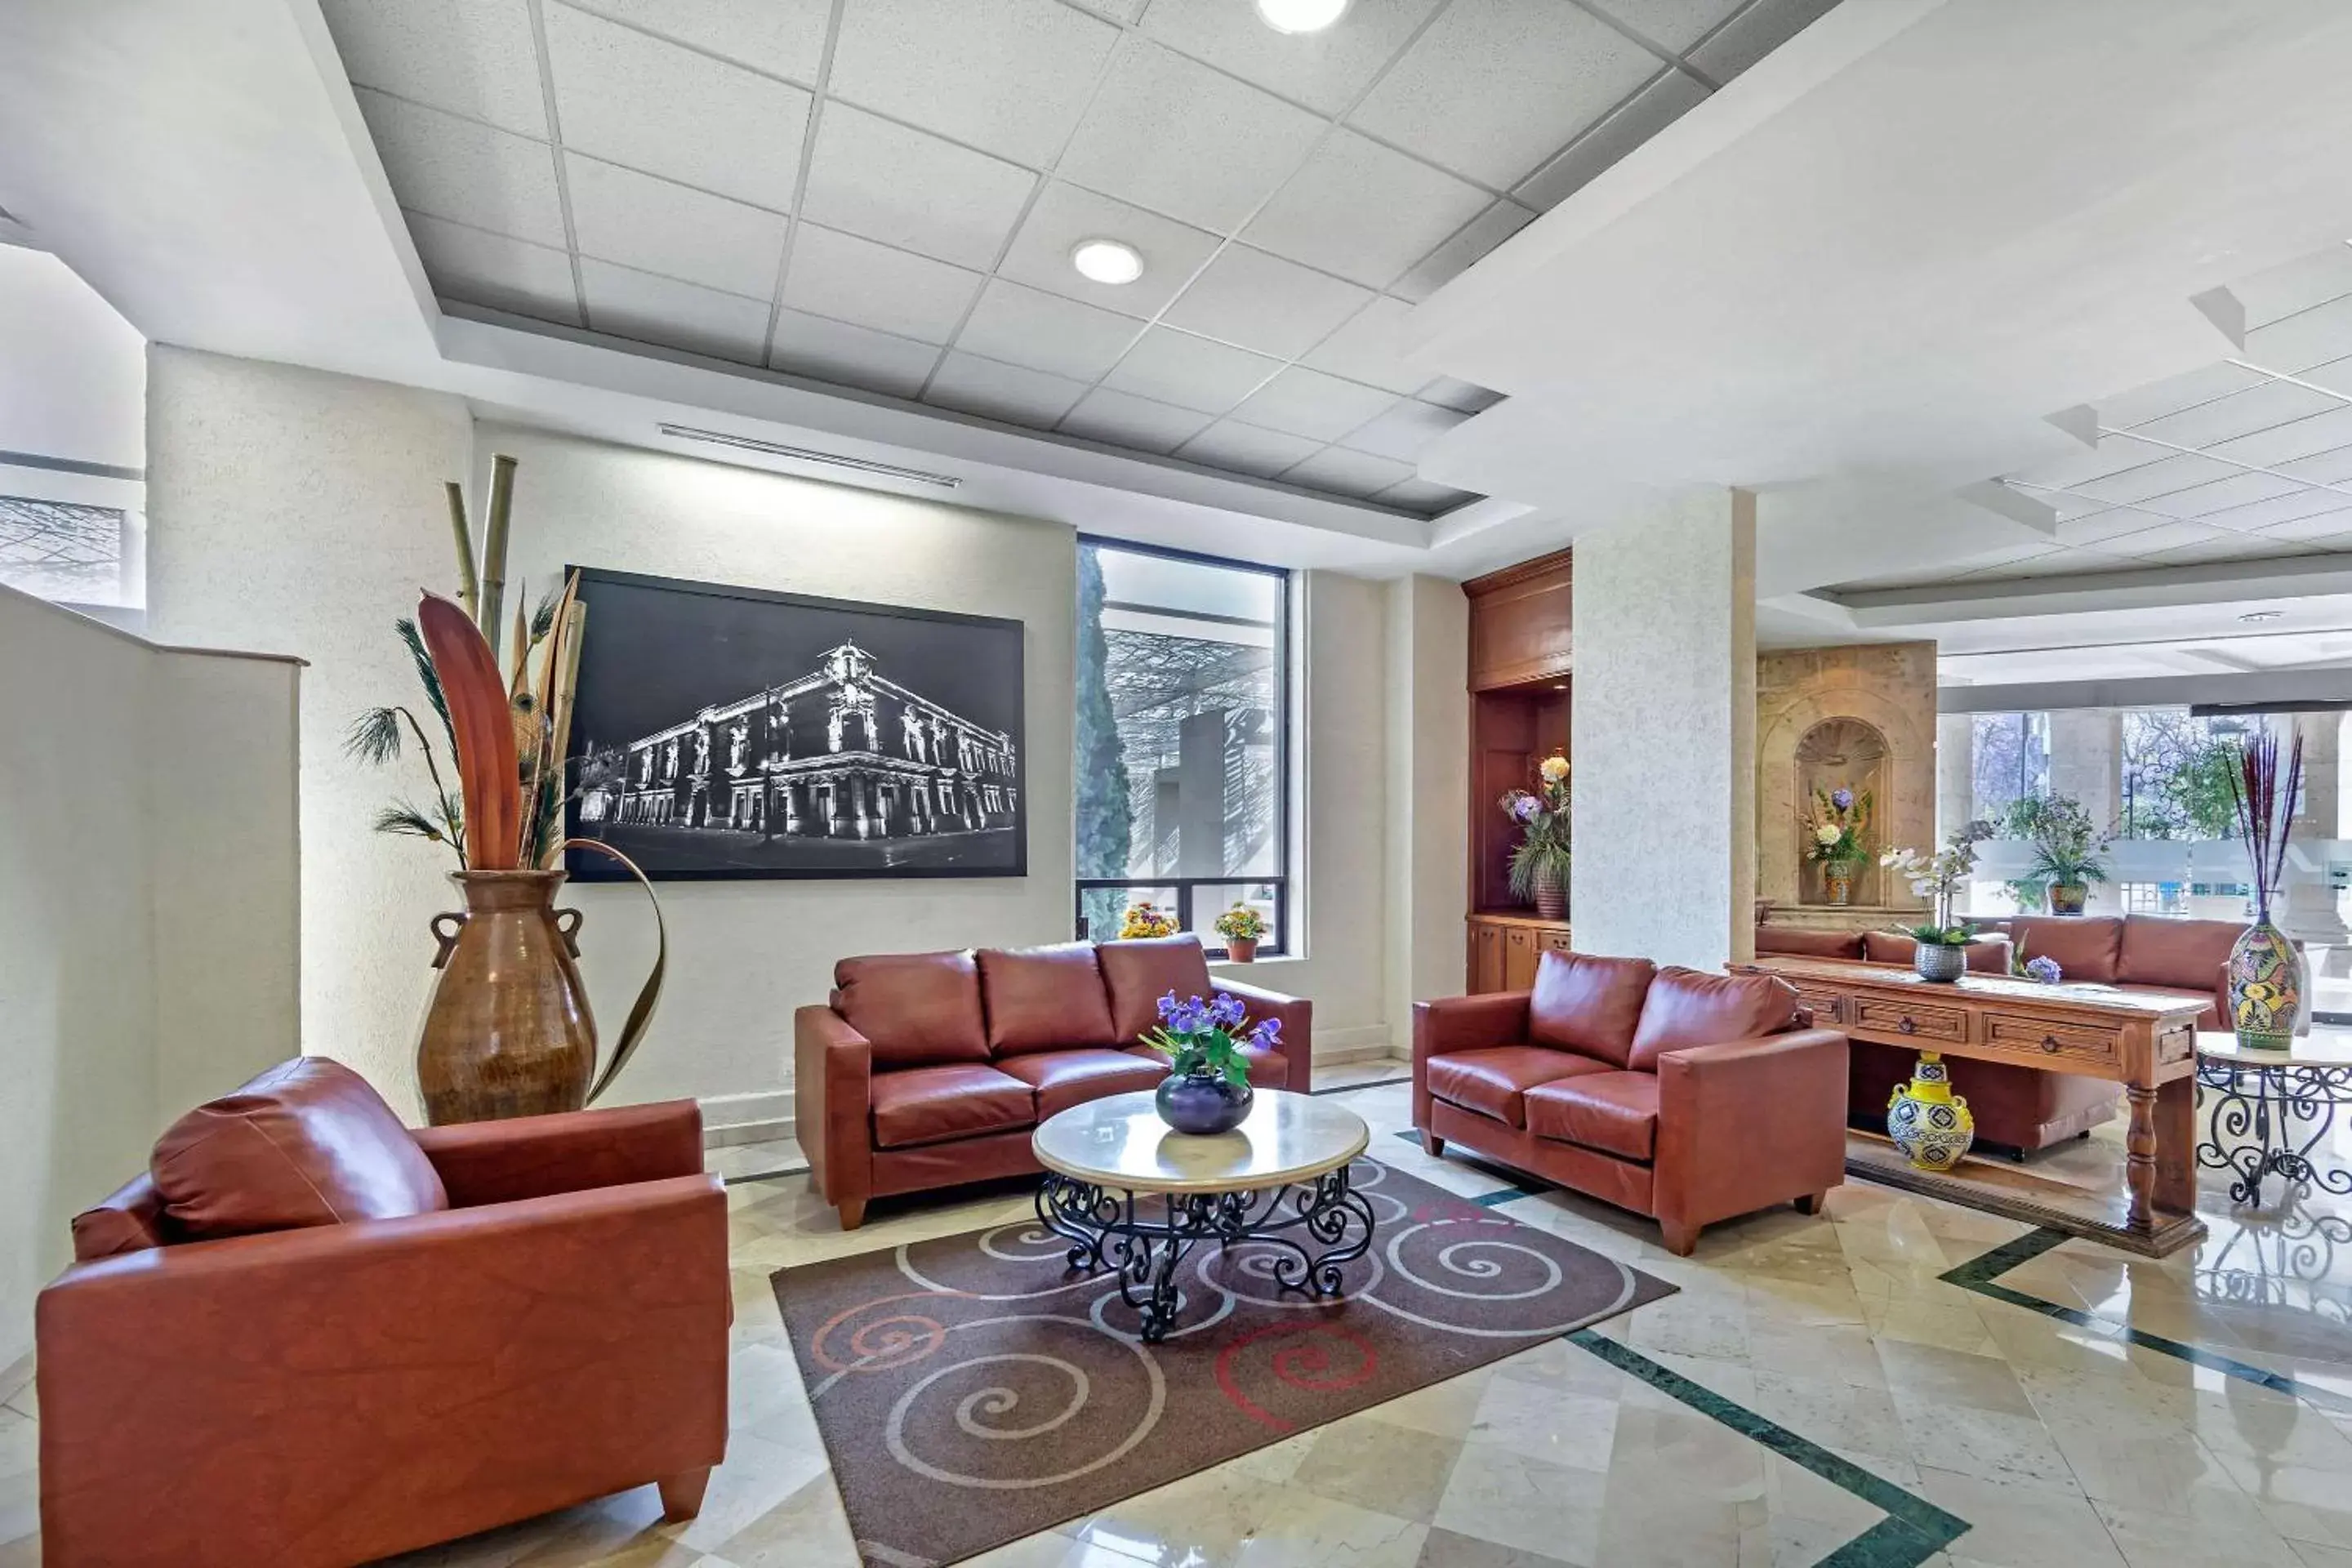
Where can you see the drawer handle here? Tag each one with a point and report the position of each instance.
(2049, 1042)
(1907, 1025)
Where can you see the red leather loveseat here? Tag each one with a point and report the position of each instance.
(1687, 1096)
(927, 1069)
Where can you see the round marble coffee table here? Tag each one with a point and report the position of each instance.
(2271, 1108)
(1134, 1196)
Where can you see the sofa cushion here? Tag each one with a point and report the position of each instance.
(1064, 1078)
(1137, 973)
(1493, 1082)
(919, 1009)
(308, 1142)
(2189, 954)
(1809, 943)
(1044, 998)
(1686, 1007)
(1588, 1005)
(930, 1105)
(1986, 954)
(2087, 947)
(1615, 1112)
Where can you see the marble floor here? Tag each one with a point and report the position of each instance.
(1894, 1382)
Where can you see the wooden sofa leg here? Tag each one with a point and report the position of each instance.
(681, 1494)
(1812, 1203)
(1681, 1240)
(1431, 1144)
(852, 1213)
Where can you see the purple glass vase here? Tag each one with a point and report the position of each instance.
(1203, 1102)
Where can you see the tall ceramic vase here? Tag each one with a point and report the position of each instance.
(2266, 985)
(1837, 882)
(508, 1031)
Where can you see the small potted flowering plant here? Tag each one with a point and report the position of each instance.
(1207, 1087)
(1145, 919)
(1540, 862)
(1242, 928)
(1833, 831)
(1940, 947)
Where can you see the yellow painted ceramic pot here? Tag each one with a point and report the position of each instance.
(2265, 988)
(1927, 1121)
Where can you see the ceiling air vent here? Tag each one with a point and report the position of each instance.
(803, 454)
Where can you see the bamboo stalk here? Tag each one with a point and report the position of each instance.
(494, 549)
(557, 679)
(469, 584)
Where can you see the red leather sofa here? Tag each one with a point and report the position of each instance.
(929, 1069)
(1689, 1097)
(310, 1337)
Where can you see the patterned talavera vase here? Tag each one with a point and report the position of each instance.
(1837, 882)
(1927, 1121)
(2266, 986)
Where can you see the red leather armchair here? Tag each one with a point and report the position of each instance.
(1689, 1097)
(321, 1396)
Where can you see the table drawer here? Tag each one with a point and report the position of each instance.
(1913, 1021)
(1827, 1006)
(2077, 1041)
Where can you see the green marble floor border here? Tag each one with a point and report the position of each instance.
(1982, 1275)
(1914, 1528)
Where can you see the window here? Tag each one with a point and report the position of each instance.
(1182, 753)
(2009, 759)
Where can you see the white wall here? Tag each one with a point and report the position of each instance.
(1663, 732)
(1428, 743)
(72, 371)
(148, 910)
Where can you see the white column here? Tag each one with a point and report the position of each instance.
(1428, 792)
(2310, 911)
(2086, 762)
(1955, 778)
(1665, 732)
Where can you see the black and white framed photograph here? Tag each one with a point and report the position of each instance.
(721, 732)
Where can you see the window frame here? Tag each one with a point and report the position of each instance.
(1279, 944)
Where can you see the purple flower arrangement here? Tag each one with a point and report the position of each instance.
(1206, 1037)
(2045, 969)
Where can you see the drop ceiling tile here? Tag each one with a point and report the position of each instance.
(2316, 525)
(2292, 343)
(1668, 96)
(466, 172)
(2228, 547)
(1348, 473)
(1302, 402)
(656, 106)
(1064, 214)
(2190, 389)
(473, 57)
(1676, 24)
(874, 285)
(1465, 250)
(782, 38)
(484, 269)
(2151, 479)
(852, 355)
(1122, 420)
(1756, 31)
(659, 226)
(1171, 134)
(2109, 524)
(1116, 10)
(2297, 285)
(2322, 467)
(1012, 392)
(912, 190)
(2113, 455)
(1403, 432)
(1169, 367)
(1461, 397)
(1362, 210)
(627, 303)
(1325, 71)
(2258, 409)
(2164, 536)
(1246, 449)
(1045, 332)
(1367, 348)
(2262, 516)
(1009, 77)
(1262, 302)
(2322, 432)
(1496, 87)
(2009, 560)
(1423, 497)
(2204, 502)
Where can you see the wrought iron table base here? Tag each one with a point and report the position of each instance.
(1315, 1228)
(2260, 1106)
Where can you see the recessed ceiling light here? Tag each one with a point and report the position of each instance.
(2255, 618)
(1301, 16)
(1107, 260)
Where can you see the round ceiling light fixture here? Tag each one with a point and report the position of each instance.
(1300, 16)
(1110, 261)
(2256, 617)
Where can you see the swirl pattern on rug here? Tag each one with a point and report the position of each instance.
(973, 1389)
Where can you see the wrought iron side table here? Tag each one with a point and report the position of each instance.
(2271, 1110)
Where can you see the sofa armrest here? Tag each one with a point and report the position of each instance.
(1297, 1016)
(534, 1156)
(332, 1394)
(1747, 1123)
(1462, 1023)
(833, 1082)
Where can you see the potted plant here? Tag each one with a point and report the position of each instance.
(1833, 831)
(1540, 863)
(1207, 1087)
(1145, 919)
(2068, 847)
(1939, 948)
(2265, 971)
(1242, 928)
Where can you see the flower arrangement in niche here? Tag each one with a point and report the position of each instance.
(1540, 861)
(1207, 1088)
(1834, 838)
(1242, 928)
(1145, 919)
(1938, 952)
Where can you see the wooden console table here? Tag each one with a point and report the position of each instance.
(2147, 1044)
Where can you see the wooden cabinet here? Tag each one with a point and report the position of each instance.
(1519, 710)
(1520, 622)
(1504, 948)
